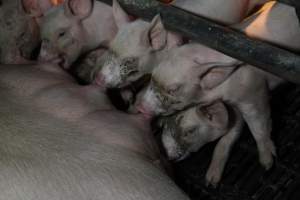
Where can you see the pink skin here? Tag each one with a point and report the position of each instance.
(232, 12)
(147, 112)
(123, 153)
(99, 80)
(56, 93)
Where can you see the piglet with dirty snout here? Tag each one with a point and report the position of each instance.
(60, 140)
(187, 131)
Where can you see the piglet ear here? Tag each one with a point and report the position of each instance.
(120, 16)
(213, 73)
(78, 8)
(215, 76)
(157, 34)
(216, 114)
(31, 7)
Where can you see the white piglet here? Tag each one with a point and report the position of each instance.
(74, 28)
(189, 130)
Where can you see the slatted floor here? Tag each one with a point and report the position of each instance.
(244, 178)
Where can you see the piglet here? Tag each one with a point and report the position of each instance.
(136, 49)
(74, 28)
(189, 130)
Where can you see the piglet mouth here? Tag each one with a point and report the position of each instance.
(59, 60)
(99, 80)
(141, 108)
(146, 115)
(178, 158)
(181, 158)
(62, 61)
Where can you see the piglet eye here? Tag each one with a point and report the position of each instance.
(207, 114)
(174, 90)
(129, 61)
(171, 91)
(186, 134)
(62, 34)
(189, 132)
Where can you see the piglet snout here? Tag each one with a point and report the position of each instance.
(144, 110)
(100, 80)
(49, 55)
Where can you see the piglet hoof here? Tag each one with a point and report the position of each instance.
(213, 177)
(272, 148)
(267, 162)
(266, 158)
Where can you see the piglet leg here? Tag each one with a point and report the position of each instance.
(257, 114)
(222, 151)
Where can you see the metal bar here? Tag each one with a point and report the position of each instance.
(270, 58)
